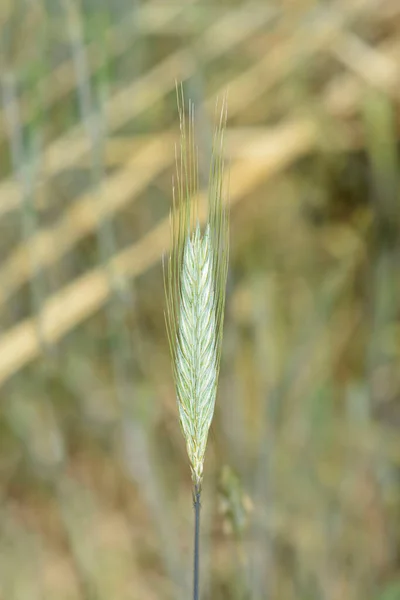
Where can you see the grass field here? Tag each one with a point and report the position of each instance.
(301, 495)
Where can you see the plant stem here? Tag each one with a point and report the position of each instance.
(196, 504)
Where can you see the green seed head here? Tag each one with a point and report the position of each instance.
(195, 282)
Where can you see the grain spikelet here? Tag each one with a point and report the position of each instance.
(195, 281)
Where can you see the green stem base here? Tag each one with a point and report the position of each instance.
(196, 504)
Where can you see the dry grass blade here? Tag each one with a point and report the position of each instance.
(66, 151)
(74, 303)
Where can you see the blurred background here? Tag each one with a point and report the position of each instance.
(301, 494)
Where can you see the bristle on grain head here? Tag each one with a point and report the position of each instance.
(195, 281)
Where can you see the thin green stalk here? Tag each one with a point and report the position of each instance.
(25, 163)
(196, 569)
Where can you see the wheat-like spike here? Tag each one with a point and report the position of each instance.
(195, 281)
(196, 368)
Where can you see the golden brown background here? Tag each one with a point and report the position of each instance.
(301, 493)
